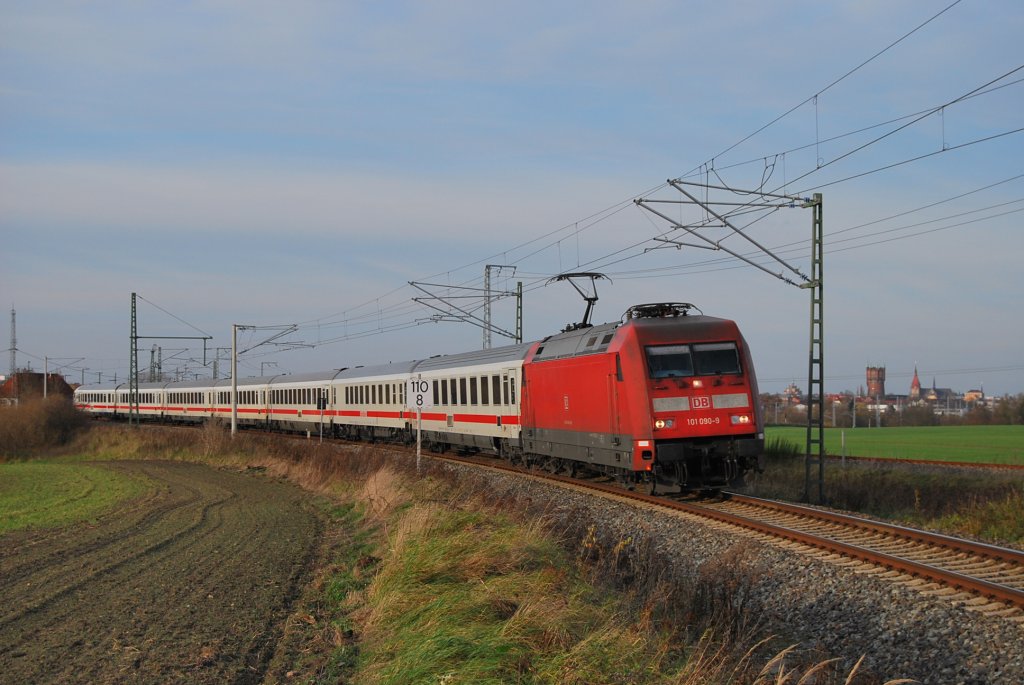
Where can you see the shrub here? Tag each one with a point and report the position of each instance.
(30, 428)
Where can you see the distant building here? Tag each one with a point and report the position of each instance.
(876, 381)
(27, 385)
(973, 396)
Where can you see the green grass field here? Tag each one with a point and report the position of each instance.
(38, 494)
(970, 444)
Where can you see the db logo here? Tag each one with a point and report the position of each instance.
(701, 402)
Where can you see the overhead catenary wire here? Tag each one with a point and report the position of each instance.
(378, 315)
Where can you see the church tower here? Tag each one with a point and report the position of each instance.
(915, 387)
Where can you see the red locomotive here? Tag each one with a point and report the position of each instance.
(663, 395)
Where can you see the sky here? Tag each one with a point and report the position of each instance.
(271, 164)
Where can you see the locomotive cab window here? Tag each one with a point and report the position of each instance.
(668, 361)
(700, 359)
(716, 359)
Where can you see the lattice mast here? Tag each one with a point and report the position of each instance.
(14, 343)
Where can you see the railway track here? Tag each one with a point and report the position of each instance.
(984, 577)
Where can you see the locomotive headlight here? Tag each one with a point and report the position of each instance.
(697, 383)
(741, 419)
(664, 423)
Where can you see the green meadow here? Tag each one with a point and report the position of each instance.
(40, 494)
(969, 444)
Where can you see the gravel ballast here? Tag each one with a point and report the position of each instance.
(837, 609)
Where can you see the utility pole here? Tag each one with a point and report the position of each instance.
(133, 372)
(815, 452)
(235, 327)
(14, 344)
(519, 312)
(234, 379)
(488, 296)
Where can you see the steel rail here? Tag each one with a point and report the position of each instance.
(977, 586)
(981, 549)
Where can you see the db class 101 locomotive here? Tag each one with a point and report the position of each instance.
(662, 396)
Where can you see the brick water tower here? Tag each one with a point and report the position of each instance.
(876, 381)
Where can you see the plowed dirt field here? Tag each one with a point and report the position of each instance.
(190, 584)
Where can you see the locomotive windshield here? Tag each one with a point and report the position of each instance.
(716, 359)
(705, 359)
(666, 361)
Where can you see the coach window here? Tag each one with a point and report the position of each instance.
(472, 391)
(453, 386)
(512, 390)
(462, 392)
(444, 392)
(496, 389)
(484, 397)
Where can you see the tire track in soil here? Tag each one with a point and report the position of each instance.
(189, 584)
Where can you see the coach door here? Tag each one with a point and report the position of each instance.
(509, 393)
